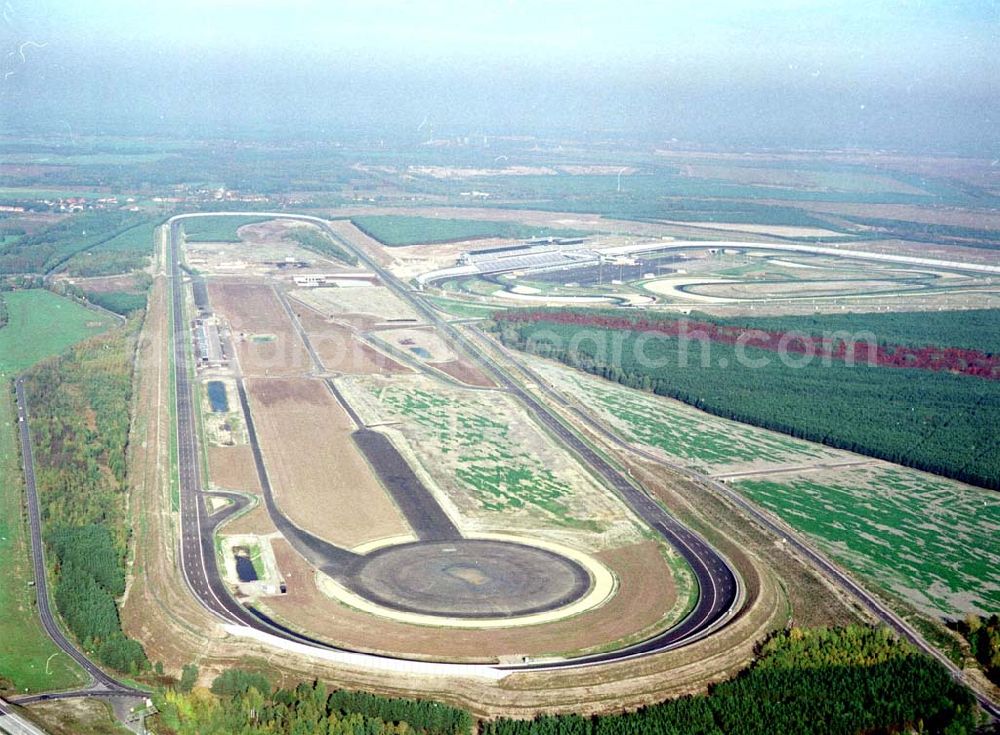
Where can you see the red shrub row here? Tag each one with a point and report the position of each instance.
(952, 359)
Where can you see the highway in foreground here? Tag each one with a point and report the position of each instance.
(11, 723)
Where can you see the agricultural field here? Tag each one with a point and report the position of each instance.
(491, 461)
(931, 541)
(41, 325)
(683, 433)
(320, 479)
(75, 243)
(266, 341)
(340, 348)
(400, 230)
(927, 539)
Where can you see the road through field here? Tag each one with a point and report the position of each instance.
(101, 684)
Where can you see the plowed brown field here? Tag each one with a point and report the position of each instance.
(319, 478)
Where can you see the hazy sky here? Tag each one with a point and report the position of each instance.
(844, 72)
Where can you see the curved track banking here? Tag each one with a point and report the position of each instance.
(766, 520)
(716, 604)
(720, 590)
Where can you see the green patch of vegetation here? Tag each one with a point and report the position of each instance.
(463, 309)
(870, 682)
(51, 248)
(680, 431)
(399, 230)
(244, 702)
(31, 194)
(921, 537)
(80, 421)
(983, 635)
(934, 421)
(41, 324)
(4, 314)
(501, 474)
(319, 242)
(119, 302)
(217, 229)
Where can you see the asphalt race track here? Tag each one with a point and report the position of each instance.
(469, 578)
(719, 588)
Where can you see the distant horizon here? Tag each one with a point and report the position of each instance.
(915, 77)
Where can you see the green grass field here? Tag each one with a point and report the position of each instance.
(23, 193)
(489, 463)
(397, 231)
(217, 229)
(931, 541)
(41, 325)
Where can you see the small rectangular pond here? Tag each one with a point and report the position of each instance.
(244, 565)
(217, 396)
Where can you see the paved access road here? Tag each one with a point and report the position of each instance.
(101, 683)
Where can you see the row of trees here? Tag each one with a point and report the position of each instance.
(859, 345)
(4, 314)
(932, 421)
(243, 703)
(80, 426)
(840, 681)
(46, 250)
(983, 635)
(319, 242)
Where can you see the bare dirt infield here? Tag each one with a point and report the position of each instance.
(646, 592)
(266, 341)
(232, 468)
(319, 479)
(341, 351)
(465, 372)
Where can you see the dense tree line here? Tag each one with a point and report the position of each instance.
(319, 242)
(972, 329)
(46, 250)
(4, 314)
(983, 635)
(934, 421)
(842, 346)
(840, 681)
(79, 405)
(120, 302)
(243, 703)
